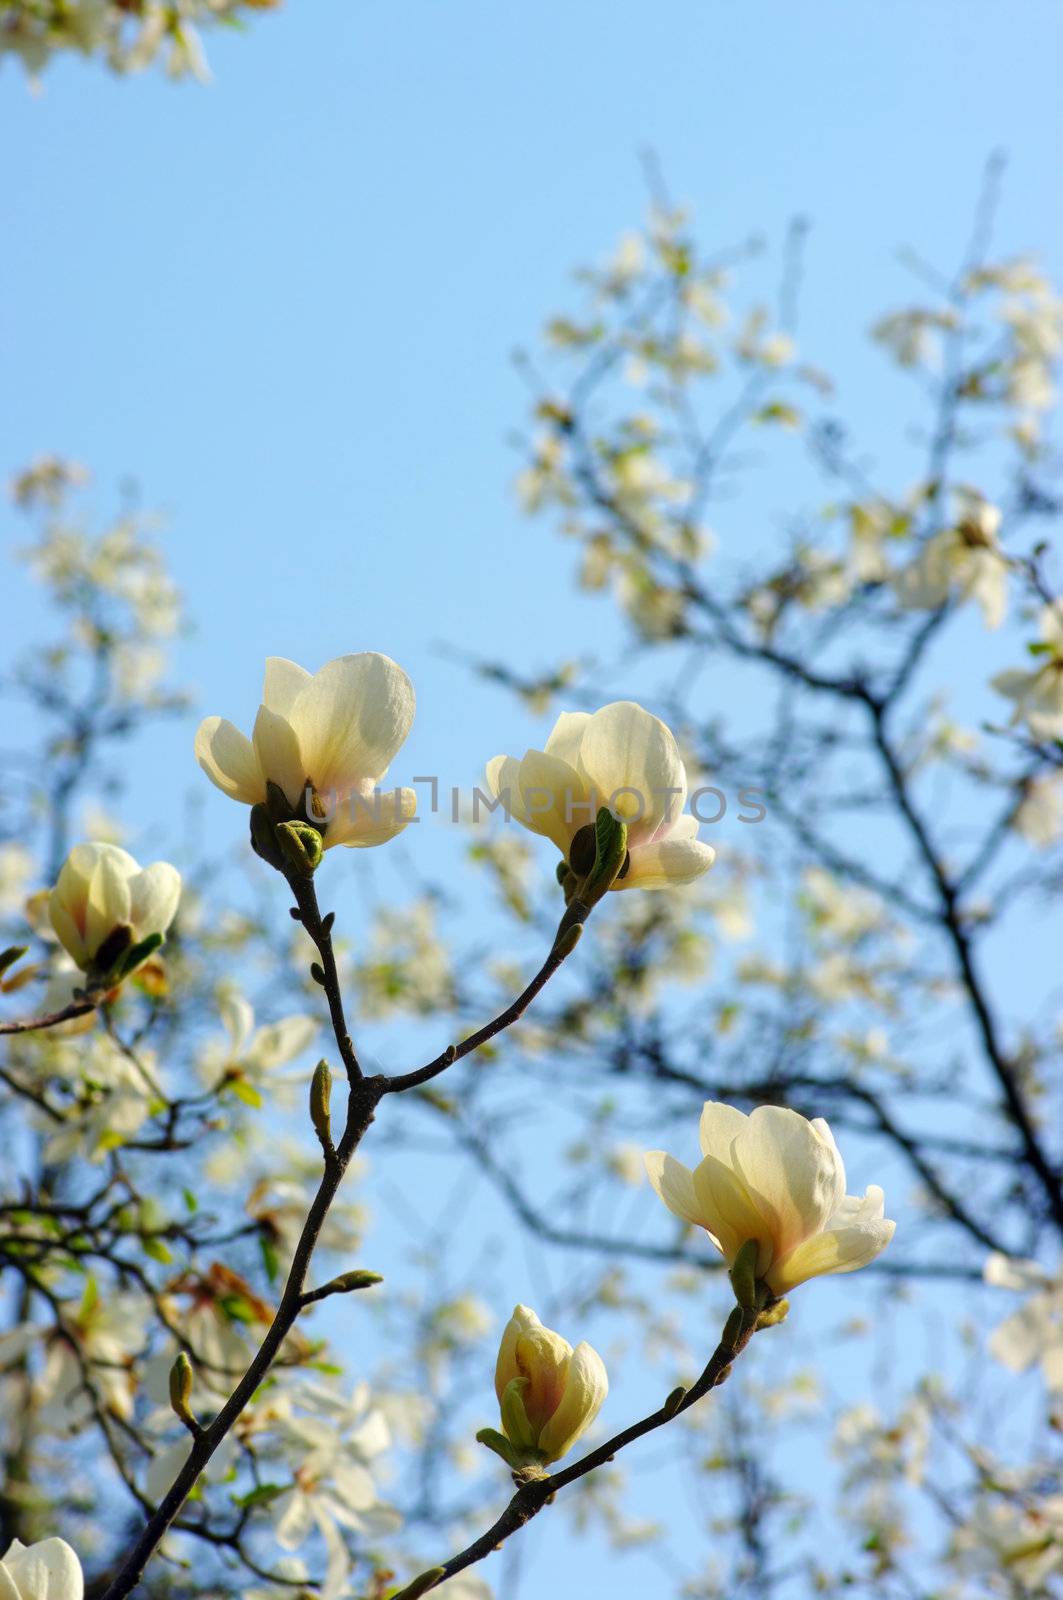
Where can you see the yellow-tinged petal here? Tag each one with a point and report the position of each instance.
(373, 819)
(630, 758)
(554, 797)
(506, 1367)
(351, 719)
(279, 756)
(284, 680)
(109, 900)
(229, 760)
(855, 1235)
(567, 736)
(719, 1126)
(792, 1174)
(675, 1185)
(542, 1358)
(586, 1386)
(729, 1213)
(666, 864)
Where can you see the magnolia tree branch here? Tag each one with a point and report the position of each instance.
(534, 1494)
(363, 1098)
(76, 1008)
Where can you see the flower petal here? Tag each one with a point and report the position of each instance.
(362, 821)
(46, 1571)
(351, 720)
(586, 1386)
(279, 756)
(856, 1235)
(625, 748)
(675, 1185)
(567, 736)
(791, 1172)
(729, 1212)
(554, 798)
(109, 902)
(523, 1319)
(155, 894)
(229, 760)
(283, 682)
(720, 1125)
(666, 864)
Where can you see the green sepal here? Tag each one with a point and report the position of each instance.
(301, 845)
(743, 1275)
(514, 1458)
(610, 853)
(139, 954)
(10, 956)
(515, 1424)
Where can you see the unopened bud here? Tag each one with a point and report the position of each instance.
(181, 1390)
(301, 845)
(321, 1101)
(421, 1584)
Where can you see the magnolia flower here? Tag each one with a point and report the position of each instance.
(325, 740)
(104, 906)
(964, 562)
(46, 1571)
(1033, 1333)
(549, 1393)
(1038, 695)
(777, 1178)
(623, 758)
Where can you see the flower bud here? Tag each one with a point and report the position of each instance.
(548, 1393)
(110, 914)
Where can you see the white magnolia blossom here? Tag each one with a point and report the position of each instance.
(248, 1058)
(1034, 1333)
(1038, 695)
(549, 1392)
(327, 738)
(114, 1096)
(46, 1571)
(621, 757)
(1038, 816)
(333, 1441)
(102, 889)
(779, 1179)
(962, 562)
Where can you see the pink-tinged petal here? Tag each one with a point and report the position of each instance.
(586, 1386)
(229, 760)
(856, 1235)
(728, 1211)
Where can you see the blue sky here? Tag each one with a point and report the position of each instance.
(285, 303)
